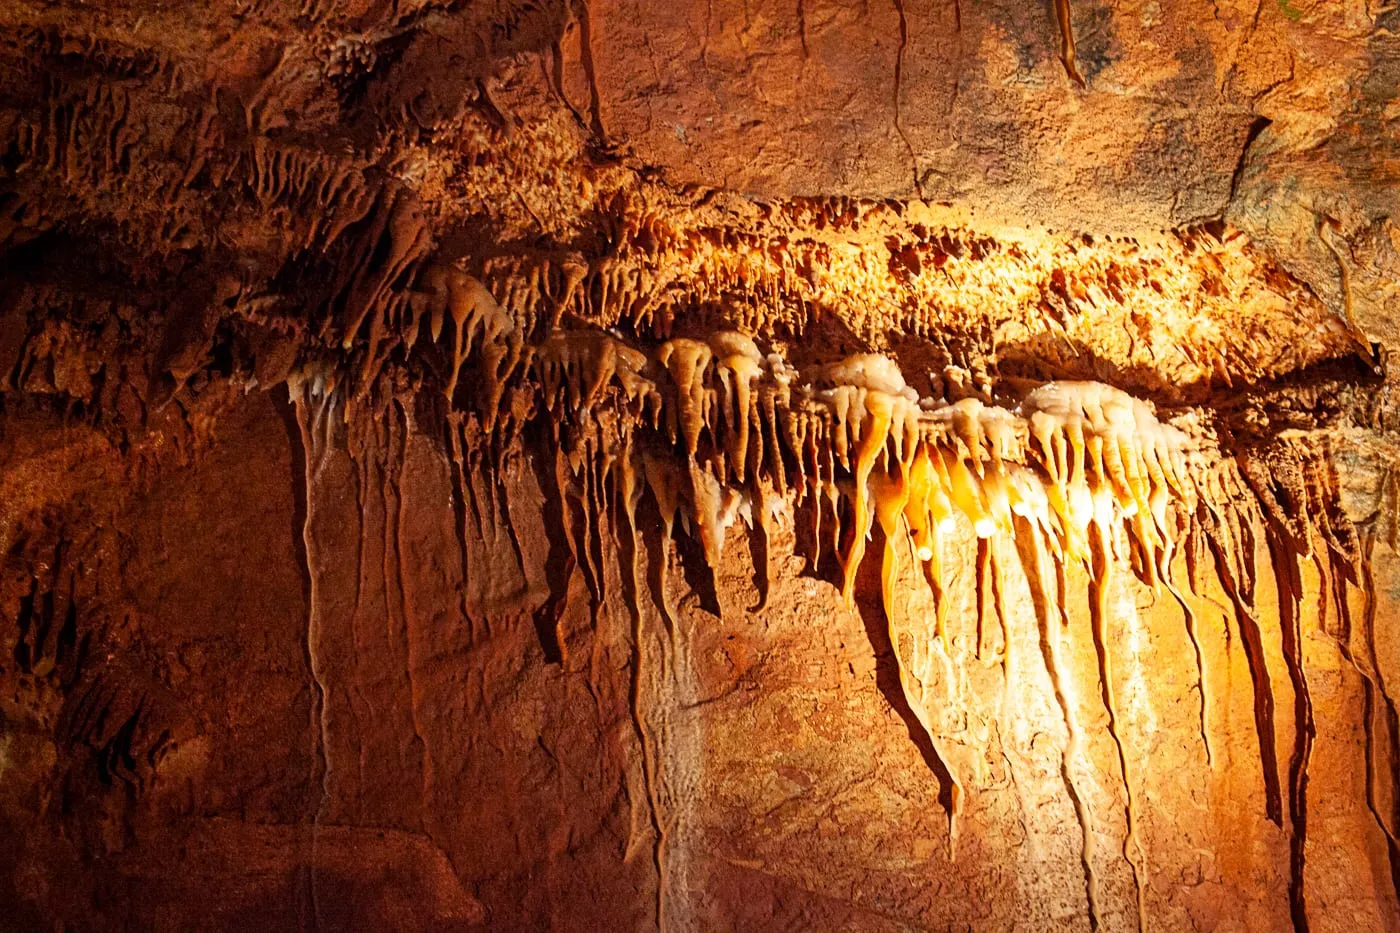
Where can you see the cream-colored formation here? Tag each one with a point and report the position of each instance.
(1070, 473)
(1067, 468)
(854, 442)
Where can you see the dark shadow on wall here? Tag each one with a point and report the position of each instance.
(872, 615)
(286, 410)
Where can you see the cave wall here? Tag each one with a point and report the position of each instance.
(279, 703)
(333, 346)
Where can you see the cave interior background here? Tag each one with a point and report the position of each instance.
(600, 464)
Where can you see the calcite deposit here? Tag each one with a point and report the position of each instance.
(622, 465)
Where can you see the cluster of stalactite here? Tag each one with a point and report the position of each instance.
(719, 433)
(933, 283)
(352, 249)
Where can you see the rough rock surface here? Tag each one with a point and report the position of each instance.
(398, 532)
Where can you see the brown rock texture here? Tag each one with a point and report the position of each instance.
(604, 465)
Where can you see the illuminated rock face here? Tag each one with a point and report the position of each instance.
(698, 466)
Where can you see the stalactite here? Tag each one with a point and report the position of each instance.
(1033, 558)
(890, 498)
(663, 481)
(1373, 685)
(1193, 634)
(358, 447)
(1290, 592)
(630, 493)
(591, 470)
(686, 361)
(1076, 474)
(406, 608)
(1282, 496)
(1101, 582)
(1232, 546)
(478, 322)
(464, 500)
(1072, 460)
(313, 404)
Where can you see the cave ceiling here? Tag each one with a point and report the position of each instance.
(237, 161)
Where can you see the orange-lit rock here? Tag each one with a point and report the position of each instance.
(615, 465)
